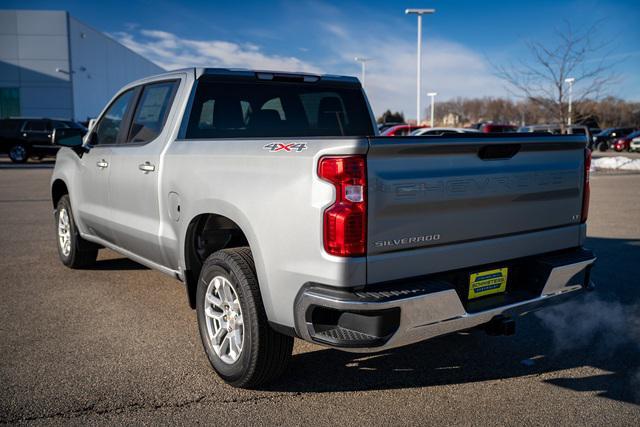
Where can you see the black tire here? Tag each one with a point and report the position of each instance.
(19, 153)
(265, 353)
(81, 253)
(602, 146)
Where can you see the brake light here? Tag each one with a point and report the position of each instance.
(586, 192)
(345, 221)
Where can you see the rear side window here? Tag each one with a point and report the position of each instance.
(235, 109)
(151, 112)
(36, 126)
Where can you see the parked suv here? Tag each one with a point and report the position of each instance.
(22, 138)
(271, 198)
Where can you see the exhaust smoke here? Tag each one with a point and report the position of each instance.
(603, 329)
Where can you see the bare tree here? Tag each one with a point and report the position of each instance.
(605, 112)
(541, 77)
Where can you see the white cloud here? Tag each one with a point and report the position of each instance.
(171, 52)
(449, 68)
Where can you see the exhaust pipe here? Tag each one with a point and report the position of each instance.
(501, 325)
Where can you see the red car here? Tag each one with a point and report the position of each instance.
(495, 128)
(623, 144)
(401, 130)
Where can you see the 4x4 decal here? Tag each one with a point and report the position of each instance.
(292, 147)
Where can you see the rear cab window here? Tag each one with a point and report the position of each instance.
(247, 108)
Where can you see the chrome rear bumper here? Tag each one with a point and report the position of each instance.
(422, 315)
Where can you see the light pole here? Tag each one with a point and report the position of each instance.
(419, 12)
(433, 97)
(363, 61)
(570, 80)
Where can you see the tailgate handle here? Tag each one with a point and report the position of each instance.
(498, 151)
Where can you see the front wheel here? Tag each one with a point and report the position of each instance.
(241, 346)
(18, 153)
(74, 251)
(602, 146)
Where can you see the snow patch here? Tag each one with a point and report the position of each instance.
(615, 163)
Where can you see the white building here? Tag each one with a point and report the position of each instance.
(52, 65)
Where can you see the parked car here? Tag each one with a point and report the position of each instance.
(624, 143)
(400, 130)
(552, 129)
(556, 129)
(634, 145)
(22, 138)
(602, 141)
(271, 198)
(496, 128)
(384, 126)
(442, 131)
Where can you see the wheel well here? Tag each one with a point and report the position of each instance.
(58, 189)
(206, 234)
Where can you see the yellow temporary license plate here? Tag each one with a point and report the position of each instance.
(488, 283)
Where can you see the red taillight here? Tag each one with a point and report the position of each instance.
(345, 221)
(586, 192)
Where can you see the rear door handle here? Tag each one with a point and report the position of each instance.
(102, 164)
(147, 167)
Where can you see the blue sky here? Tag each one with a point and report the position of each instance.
(461, 41)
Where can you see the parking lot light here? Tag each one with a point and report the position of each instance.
(419, 12)
(433, 97)
(570, 80)
(363, 61)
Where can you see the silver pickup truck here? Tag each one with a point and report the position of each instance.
(270, 196)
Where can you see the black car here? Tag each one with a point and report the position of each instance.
(22, 138)
(603, 140)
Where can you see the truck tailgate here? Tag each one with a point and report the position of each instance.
(434, 191)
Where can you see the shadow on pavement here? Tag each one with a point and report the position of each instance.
(117, 264)
(473, 356)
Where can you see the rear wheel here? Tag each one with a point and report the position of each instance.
(74, 251)
(241, 346)
(18, 153)
(602, 146)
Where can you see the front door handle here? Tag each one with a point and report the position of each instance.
(147, 167)
(102, 164)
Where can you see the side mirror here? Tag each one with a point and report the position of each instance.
(68, 137)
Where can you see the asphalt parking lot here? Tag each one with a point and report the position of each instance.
(119, 344)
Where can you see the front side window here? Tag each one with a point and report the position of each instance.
(252, 109)
(108, 128)
(151, 112)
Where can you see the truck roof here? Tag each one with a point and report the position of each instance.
(260, 74)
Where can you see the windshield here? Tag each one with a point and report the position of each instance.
(251, 109)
